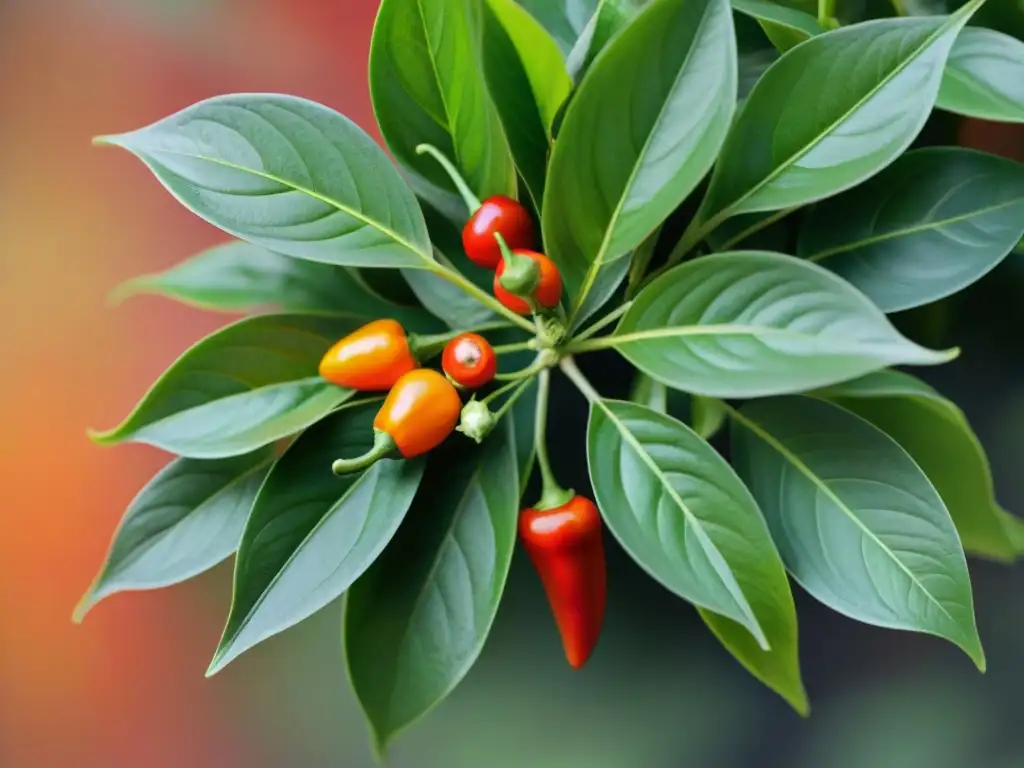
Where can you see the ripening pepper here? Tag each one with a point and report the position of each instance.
(547, 288)
(496, 215)
(420, 411)
(469, 361)
(373, 357)
(564, 543)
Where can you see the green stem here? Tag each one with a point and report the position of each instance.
(523, 385)
(519, 346)
(499, 392)
(520, 275)
(568, 366)
(383, 444)
(827, 13)
(641, 260)
(577, 346)
(753, 229)
(545, 359)
(611, 317)
(471, 200)
(424, 347)
(480, 295)
(552, 495)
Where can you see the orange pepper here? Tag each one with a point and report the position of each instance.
(420, 411)
(371, 358)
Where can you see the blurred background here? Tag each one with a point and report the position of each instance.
(127, 687)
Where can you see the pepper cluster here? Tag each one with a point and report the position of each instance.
(562, 532)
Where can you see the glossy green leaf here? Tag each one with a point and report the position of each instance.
(752, 323)
(565, 20)
(858, 524)
(528, 82)
(240, 277)
(187, 519)
(785, 27)
(707, 414)
(610, 17)
(312, 533)
(649, 393)
(441, 297)
(790, 146)
(241, 388)
(932, 223)
(984, 76)
(681, 512)
(286, 174)
(427, 84)
(937, 435)
(417, 620)
(663, 93)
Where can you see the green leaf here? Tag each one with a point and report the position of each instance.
(790, 146)
(751, 323)
(427, 85)
(565, 20)
(681, 512)
(984, 76)
(641, 132)
(607, 21)
(649, 393)
(939, 438)
(441, 297)
(785, 27)
(187, 519)
(707, 415)
(858, 523)
(528, 82)
(417, 620)
(241, 388)
(311, 533)
(240, 277)
(286, 174)
(929, 225)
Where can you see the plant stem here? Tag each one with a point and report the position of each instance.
(611, 317)
(519, 346)
(826, 13)
(480, 295)
(552, 494)
(471, 200)
(753, 228)
(499, 392)
(568, 366)
(578, 346)
(522, 386)
(641, 260)
(543, 361)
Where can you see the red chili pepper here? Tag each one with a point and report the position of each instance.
(420, 411)
(564, 543)
(373, 357)
(549, 284)
(469, 361)
(496, 215)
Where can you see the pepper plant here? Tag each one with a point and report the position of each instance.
(732, 198)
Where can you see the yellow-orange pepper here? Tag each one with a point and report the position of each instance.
(371, 358)
(420, 411)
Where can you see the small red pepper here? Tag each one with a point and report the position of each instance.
(496, 215)
(565, 545)
(371, 358)
(420, 411)
(548, 290)
(469, 361)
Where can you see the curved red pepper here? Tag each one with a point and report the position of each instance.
(565, 546)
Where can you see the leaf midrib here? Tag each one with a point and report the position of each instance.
(599, 260)
(822, 486)
(914, 230)
(231, 484)
(251, 613)
(823, 135)
(358, 215)
(703, 537)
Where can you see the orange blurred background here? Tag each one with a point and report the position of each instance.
(126, 689)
